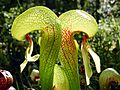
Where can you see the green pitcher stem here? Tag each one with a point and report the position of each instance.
(49, 50)
(69, 60)
(43, 19)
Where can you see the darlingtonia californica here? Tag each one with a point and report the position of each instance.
(57, 43)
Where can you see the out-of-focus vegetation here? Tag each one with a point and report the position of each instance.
(106, 42)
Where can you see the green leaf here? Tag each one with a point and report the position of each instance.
(74, 22)
(41, 18)
(60, 81)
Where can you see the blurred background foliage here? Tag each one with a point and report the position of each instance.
(106, 42)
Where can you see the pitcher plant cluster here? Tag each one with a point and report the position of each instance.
(57, 43)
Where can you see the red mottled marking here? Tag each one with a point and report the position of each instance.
(69, 54)
(66, 35)
(85, 37)
(28, 39)
(67, 39)
(68, 48)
